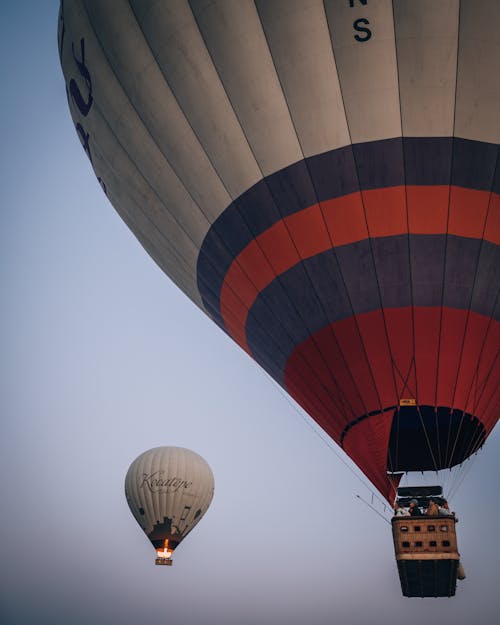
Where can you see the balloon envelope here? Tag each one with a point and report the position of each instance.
(321, 178)
(168, 490)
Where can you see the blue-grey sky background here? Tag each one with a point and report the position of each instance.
(102, 358)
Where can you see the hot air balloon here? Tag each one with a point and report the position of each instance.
(168, 490)
(321, 178)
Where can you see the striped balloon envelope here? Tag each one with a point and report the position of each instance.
(321, 178)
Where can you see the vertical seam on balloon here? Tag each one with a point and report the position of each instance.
(476, 441)
(485, 383)
(412, 359)
(409, 257)
(147, 500)
(156, 500)
(147, 515)
(176, 470)
(197, 480)
(320, 205)
(447, 228)
(202, 475)
(209, 494)
(136, 491)
(173, 470)
(471, 299)
(148, 468)
(479, 393)
(133, 490)
(182, 475)
(494, 389)
(494, 400)
(479, 437)
(180, 472)
(61, 29)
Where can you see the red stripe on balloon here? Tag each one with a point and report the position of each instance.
(374, 370)
(345, 371)
(367, 444)
(376, 213)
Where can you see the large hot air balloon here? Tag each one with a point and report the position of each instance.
(321, 178)
(168, 490)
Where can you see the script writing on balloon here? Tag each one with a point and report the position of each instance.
(156, 483)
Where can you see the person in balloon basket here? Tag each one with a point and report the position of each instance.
(433, 508)
(444, 510)
(414, 510)
(400, 511)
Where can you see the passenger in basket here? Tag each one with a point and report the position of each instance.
(414, 509)
(400, 511)
(433, 509)
(444, 510)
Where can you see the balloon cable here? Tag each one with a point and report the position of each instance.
(307, 421)
(374, 509)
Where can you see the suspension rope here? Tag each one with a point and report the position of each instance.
(309, 422)
(374, 509)
(464, 470)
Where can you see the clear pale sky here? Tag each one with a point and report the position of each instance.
(102, 358)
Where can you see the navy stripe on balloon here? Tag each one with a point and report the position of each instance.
(373, 165)
(289, 309)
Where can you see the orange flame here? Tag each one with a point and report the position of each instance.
(165, 552)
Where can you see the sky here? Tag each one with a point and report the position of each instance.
(102, 358)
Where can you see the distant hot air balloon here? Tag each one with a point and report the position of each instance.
(168, 490)
(321, 178)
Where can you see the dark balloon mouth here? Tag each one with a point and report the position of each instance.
(428, 438)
